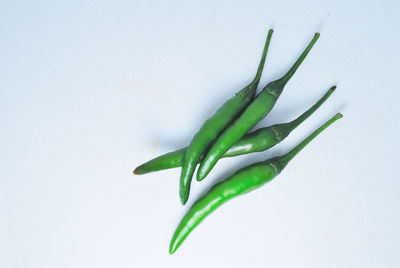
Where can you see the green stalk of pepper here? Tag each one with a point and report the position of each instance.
(243, 181)
(257, 141)
(256, 111)
(215, 124)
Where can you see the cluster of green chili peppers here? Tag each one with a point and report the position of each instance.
(225, 134)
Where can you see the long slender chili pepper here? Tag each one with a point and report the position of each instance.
(215, 124)
(257, 141)
(243, 181)
(256, 111)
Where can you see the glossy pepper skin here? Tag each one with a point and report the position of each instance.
(243, 181)
(215, 124)
(256, 111)
(257, 141)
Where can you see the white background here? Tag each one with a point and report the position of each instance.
(90, 90)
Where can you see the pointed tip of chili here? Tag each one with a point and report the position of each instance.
(200, 176)
(183, 201)
(136, 171)
(172, 249)
(183, 196)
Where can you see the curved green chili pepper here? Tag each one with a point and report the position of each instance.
(243, 181)
(215, 124)
(257, 141)
(256, 111)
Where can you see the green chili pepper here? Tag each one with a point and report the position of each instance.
(256, 111)
(215, 124)
(257, 141)
(243, 181)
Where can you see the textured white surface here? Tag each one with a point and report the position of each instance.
(88, 91)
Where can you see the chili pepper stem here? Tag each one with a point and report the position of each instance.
(263, 57)
(275, 87)
(296, 65)
(250, 89)
(283, 130)
(285, 159)
(295, 123)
